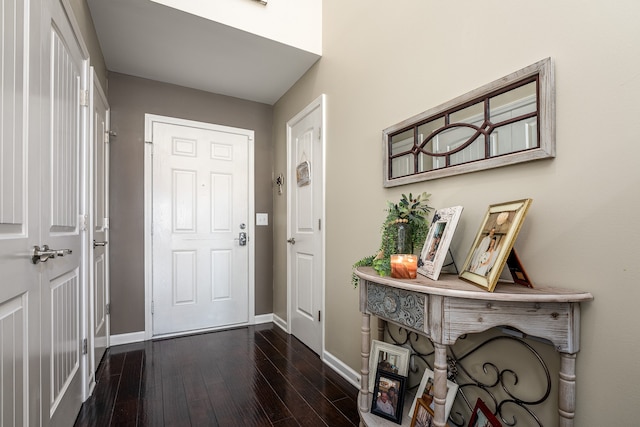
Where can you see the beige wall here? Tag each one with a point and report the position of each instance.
(383, 63)
(130, 98)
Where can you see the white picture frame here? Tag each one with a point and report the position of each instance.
(441, 231)
(396, 356)
(452, 391)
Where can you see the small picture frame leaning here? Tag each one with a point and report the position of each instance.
(388, 396)
(423, 415)
(441, 231)
(387, 357)
(425, 392)
(493, 243)
(482, 416)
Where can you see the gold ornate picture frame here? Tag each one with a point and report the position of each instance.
(493, 243)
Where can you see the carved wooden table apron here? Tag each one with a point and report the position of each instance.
(444, 310)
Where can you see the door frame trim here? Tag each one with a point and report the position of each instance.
(96, 91)
(149, 120)
(318, 103)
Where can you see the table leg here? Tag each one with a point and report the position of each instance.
(364, 367)
(567, 389)
(440, 384)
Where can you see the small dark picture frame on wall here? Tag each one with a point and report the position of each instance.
(388, 396)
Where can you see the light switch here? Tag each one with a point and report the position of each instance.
(262, 219)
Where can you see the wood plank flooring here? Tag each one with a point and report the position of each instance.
(253, 376)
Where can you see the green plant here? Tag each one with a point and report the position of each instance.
(410, 211)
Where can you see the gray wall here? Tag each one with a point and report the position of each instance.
(90, 38)
(130, 98)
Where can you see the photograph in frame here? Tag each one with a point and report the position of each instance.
(441, 231)
(425, 392)
(303, 174)
(482, 416)
(493, 243)
(388, 396)
(423, 416)
(387, 357)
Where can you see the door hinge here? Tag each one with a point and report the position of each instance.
(318, 315)
(319, 224)
(108, 308)
(84, 346)
(319, 133)
(151, 307)
(84, 98)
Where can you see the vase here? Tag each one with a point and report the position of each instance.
(404, 241)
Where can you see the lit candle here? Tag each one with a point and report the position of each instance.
(404, 266)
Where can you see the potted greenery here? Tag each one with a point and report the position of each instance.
(404, 230)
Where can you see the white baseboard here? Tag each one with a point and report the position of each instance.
(281, 323)
(126, 338)
(140, 336)
(343, 370)
(262, 318)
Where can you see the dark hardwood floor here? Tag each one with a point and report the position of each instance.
(254, 376)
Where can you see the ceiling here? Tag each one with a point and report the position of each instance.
(145, 39)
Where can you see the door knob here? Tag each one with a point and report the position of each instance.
(242, 238)
(292, 240)
(44, 253)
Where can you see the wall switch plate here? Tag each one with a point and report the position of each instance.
(262, 219)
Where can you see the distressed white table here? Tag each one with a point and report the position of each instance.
(445, 309)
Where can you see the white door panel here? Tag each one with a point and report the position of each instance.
(306, 211)
(98, 298)
(200, 207)
(41, 127)
(63, 207)
(19, 222)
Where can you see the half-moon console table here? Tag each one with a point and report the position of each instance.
(445, 309)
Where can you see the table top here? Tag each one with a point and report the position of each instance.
(449, 285)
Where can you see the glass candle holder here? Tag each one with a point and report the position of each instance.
(404, 266)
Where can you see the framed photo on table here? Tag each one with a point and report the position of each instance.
(493, 243)
(425, 392)
(443, 226)
(387, 357)
(388, 396)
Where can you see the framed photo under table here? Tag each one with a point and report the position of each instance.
(482, 416)
(388, 396)
(387, 357)
(425, 392)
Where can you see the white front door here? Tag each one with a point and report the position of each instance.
(98, 322)
(305, 147)
(202, 226)
(63, 223)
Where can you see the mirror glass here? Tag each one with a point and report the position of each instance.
(507, 121)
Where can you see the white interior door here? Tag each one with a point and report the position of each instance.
(202, 226)
(62, 223)
(99, 226)
(305, 148)
(19, 222)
